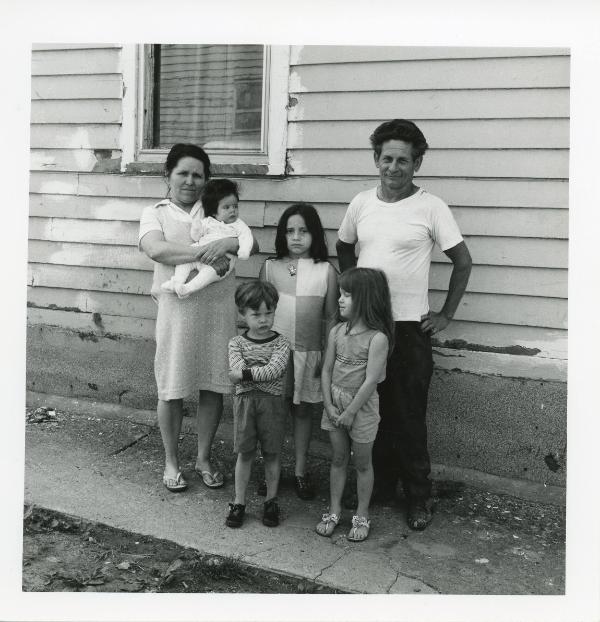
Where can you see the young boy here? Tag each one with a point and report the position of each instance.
(257, 362)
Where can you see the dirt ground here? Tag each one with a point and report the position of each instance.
(66, 554)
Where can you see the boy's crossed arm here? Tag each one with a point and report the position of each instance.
(275, 368)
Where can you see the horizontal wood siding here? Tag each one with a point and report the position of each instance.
(497, 123)
(76, 108)
(496, 119)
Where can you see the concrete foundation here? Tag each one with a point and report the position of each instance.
(510, 427)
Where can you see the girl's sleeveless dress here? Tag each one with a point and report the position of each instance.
(349, 372)
(299, 317)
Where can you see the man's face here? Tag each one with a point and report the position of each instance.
(396, 165)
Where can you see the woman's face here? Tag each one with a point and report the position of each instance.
(186, 182)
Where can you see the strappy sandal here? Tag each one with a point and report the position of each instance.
(360, 529)
(175, 484)
(328, 524)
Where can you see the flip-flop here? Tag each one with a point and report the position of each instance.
(175, 484)
(211, 480)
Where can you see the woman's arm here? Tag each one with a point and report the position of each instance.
(219, 248)
(377, 359)
(171, 253)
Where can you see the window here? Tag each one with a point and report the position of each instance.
(231, 99)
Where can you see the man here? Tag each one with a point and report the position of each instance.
(396, 225)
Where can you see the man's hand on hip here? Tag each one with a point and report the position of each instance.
(434, 322)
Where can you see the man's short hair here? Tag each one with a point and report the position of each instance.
(399, 129)
(252, 294)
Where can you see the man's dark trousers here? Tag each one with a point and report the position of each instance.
(400, 449)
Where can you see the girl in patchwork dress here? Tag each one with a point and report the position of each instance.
(307, 308)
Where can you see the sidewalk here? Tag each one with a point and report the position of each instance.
(109, 469)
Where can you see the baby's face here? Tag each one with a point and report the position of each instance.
(227, 211)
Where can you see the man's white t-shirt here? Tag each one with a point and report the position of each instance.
(398, 238)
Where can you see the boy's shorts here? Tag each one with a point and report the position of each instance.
(258, 417)
(365, 425)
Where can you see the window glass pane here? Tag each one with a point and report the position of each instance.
(210, 95)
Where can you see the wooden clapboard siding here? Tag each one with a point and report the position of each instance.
(116, 208)
(492, 221)
(496, 119)
(504, 251)
(72, 46)
(504, 222)
(85, 254)
(442, 133)
(74, 111)
(417, 105)
(476, 73)
(61, 159)
(497, 122)
(75, 62)
(326, 54)
(464, 192)
(514, 163)
(89, 278)
(80, 300)
(77, 87)
(76, 106)
(80, 136)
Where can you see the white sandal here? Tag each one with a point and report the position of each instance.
(359, 522)
(328, 524)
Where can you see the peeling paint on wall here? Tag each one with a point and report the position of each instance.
(461, 344)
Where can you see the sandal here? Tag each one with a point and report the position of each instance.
(328, 524)
(175, 484)
(360, 529)
(211, 480)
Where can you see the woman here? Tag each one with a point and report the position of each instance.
(191, 333)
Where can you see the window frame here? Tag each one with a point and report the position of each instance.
(271, 160)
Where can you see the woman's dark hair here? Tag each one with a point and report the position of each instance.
(371, 300)
(186, 150)
(252, 294)
(399, 129)
(318, 247)
(214, 191)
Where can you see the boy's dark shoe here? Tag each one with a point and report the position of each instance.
(235, 518)
(271, 513)
(304, 486)
(419, 514)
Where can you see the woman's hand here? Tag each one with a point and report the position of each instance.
(217, 249)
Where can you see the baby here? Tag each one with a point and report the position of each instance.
(220, 202)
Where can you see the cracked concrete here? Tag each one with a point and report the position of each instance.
(110, 470)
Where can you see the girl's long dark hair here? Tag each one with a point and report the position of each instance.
(318, 247)
(371, 302)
